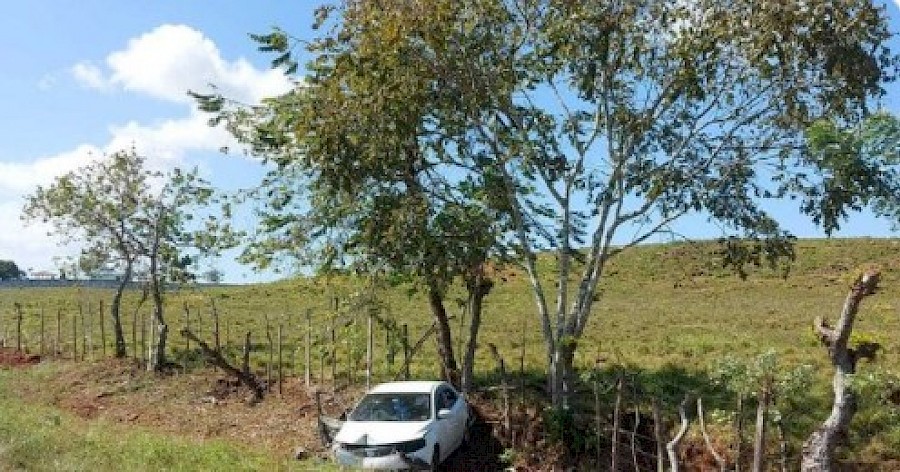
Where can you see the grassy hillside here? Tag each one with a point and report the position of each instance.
(659, 304)
(661, 307)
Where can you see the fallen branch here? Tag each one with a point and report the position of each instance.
(415, 348)
(243, 375)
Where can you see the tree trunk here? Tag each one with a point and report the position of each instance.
(759, 442)
(115, 311)
(562, 371)
(818, 450)
(478, 287)
(449, 368)
(157, 360)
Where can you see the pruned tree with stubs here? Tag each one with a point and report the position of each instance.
(818, 452)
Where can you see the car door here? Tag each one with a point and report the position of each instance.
(443, 428)
(454, 425)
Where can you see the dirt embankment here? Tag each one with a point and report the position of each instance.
(204, 404)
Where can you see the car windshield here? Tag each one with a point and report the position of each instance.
(393, 407)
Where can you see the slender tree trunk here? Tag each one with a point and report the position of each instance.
(759, 442)
(617, 416)
(158, 359)
(658, 436)
(115, 310)
(739, 434)
(478, 287)
(449, 368)
(818, 450)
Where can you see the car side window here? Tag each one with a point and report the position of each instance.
(446, 398)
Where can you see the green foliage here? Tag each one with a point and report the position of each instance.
(10, 271)
(561, 428)
(762, 372)
(879, 414)
(857, 167)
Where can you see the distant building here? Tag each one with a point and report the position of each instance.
(107, 275)
(43, 275)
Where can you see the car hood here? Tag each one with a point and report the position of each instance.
(375, 433)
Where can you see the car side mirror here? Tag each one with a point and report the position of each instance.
(444, 413)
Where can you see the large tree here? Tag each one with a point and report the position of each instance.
(123, 213)
(10, 271)
(597, 125)
(359, 177)
(98, 206)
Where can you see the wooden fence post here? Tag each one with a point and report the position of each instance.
(215, 313)
(245, 362)
(42, 330)
(322, 341)
(759, 442)
(617, 413)
(102, 331)
(370, 347)
(83, 332)
(200, 323)
(59, 342)
(187, 326)
(269, 364)
(18, 326)
(74, 336)
(280, 363)
(389, 351)
(404, 333)
(522, 364)
(333, 351)
(134, 337)
(308, 348)
(634, 430)
(504, 386)
(598, 423)
(658, 435)
(90, 331)
(739, 434)
(143, 324)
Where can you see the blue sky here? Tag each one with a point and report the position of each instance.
(78, 79)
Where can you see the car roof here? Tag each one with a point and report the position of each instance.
(409, 386)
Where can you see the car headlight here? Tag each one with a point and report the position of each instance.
(410, 446)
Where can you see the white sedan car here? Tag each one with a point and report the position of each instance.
(403, 425)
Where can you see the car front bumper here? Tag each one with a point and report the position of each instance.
(394, 461)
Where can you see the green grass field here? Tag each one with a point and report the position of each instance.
(668, 311)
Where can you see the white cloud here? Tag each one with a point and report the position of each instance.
(897, 2)
(19, 178)
(163, 63)
(89, 75)
(27, 246)
(170, 140)
(171, 59)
